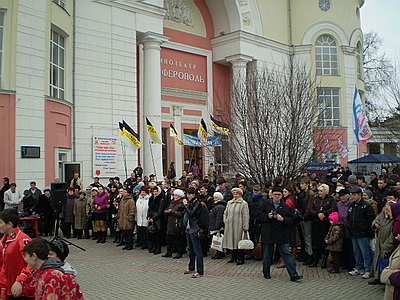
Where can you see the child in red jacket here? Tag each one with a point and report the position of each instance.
(14, 275)
(50, 281)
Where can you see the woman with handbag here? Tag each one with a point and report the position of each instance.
(236, 220)
(175, 230)
(216, 222)
(100, 205)
(142, 205)
(154, 214)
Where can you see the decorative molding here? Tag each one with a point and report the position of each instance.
(137, 7)
(61, 101)
(174, 92)
(325, 27)
(355, 37)
(179, 12)
(177, 110)
(247, 19)
(348, 50)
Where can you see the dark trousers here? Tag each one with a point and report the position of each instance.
(286, 256)
(195, 253)
(128, 236)
(347, 255)
(66, 229)
(142, 232)
(336, 260)
(237, 254)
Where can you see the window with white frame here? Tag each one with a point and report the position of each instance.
(359, 54)
(328, 107)
(57, 65)
(1, 44)
(326, 55)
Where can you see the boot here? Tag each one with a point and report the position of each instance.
(314, 263)
(324, 260)
(302, 257)
(308, 260)
(157, 250)
(103, 240)
(294, 253)
(280, 264)
(99, 236)
(115, 240)
(95, 235)
(87, 235)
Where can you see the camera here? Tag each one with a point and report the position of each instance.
(275, 215)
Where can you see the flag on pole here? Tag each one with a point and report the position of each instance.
(219, 126)
(343, 150)
(175, 134)
(129, 137)
(203, 134)
(154, 137)
(361, 127)
(328, 152)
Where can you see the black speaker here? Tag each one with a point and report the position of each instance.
(58, 196)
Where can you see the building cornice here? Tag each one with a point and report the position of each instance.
(137, 7)
(242, 42)
(61, 101)
(175, 92)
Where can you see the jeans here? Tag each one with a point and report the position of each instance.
(362, 253)
(285, 254)
(306, 229)
(195, 252)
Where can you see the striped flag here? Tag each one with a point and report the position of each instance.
(219, 126)
(361, 127)
(129, 137)
(154, 137)
(203, 134)
(175, 134)
(343, 149)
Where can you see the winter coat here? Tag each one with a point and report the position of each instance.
(175, 217)
(208, 200)
(335, 238)
(236, 220)
(394, 266)
(272, 230)
(12, 200)
(380, 197)
(360, 218)
(80, 213)
(193, 210)
(325, 205)
(374, 205)
(67, 213)
(216, 220)
(101, 200)
(50, 281)
(156, 209)
(142, 205)
(305, 199)
(43, 207)
(126, 213)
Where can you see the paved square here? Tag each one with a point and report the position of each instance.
(106, 272)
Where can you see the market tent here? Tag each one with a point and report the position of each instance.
(372, 163)
(376, 159)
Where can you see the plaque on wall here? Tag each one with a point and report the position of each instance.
(30, 152)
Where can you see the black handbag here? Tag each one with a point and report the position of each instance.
(179, 232)
(152, 228)
(298, 216)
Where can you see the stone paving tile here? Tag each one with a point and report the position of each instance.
(106, 272)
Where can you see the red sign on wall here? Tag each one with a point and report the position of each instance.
(183, 70)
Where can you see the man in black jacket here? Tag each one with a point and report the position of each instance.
(359, 221)
(6, 186)
(276, 217)
(381, 193)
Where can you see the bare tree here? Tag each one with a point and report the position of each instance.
(273, 114)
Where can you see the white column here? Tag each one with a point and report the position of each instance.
(177, 111)
(151, 153)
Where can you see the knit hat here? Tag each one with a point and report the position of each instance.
(47, 188)
(369, 193)
(95, 189)
(179, 193)
(221, 180)
(152, 184)
(352, 179)
(237, 190)
(334, 217)
(60, 248)
(219, 196)
(138, 187)
(26, 192)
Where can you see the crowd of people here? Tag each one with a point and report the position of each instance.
(339, 219)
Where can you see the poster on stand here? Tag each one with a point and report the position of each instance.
(104, 157)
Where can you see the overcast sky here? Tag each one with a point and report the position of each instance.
(383, 16)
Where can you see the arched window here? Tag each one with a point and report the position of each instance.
(326, 56)
(359, 54)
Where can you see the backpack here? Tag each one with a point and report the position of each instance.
(204, 217)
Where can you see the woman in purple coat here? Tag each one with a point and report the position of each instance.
(100, 205)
